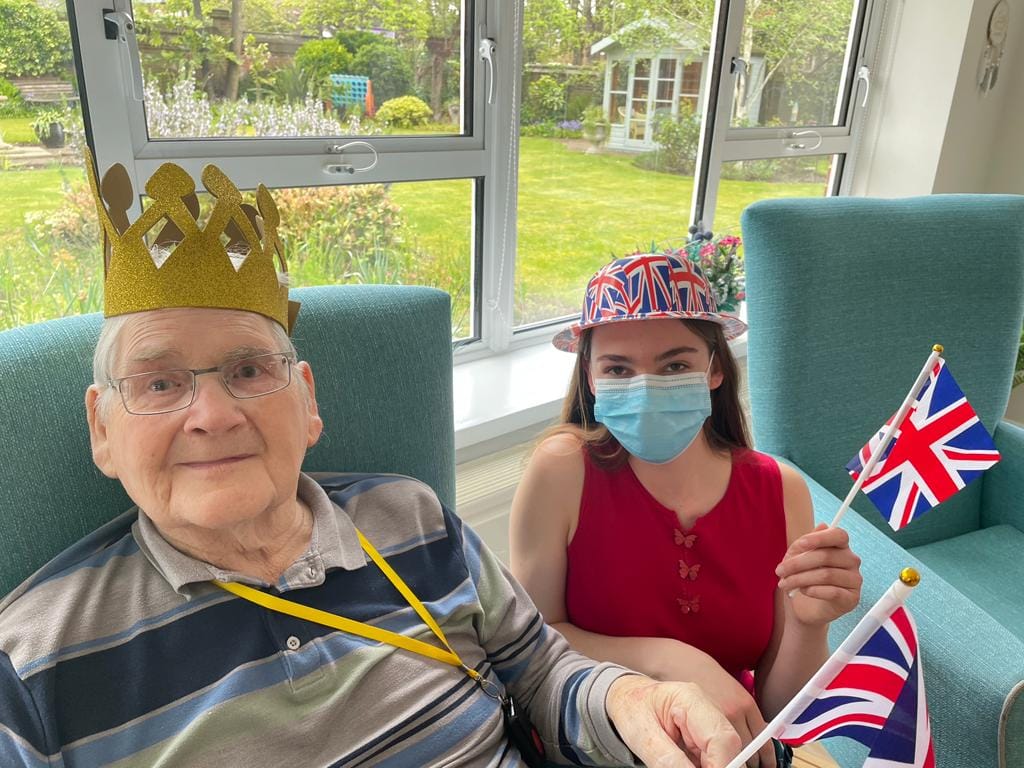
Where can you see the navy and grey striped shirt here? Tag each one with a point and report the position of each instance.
(121, 653)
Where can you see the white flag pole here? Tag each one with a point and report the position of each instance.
(890, 430)
(867, 626)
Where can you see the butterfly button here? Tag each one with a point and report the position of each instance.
(688, 605)
(688, 571)
(685, 539)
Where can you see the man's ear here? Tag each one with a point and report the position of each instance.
(316, 424)
(98, 437)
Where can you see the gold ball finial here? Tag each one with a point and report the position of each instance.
(910, 577)
(938, 348)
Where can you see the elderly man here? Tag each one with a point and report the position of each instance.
(242, 614)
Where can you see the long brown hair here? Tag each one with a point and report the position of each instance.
(724, 431)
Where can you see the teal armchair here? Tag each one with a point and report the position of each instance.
(381, 356)
(846, 297)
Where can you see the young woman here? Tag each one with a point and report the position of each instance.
(646, 528)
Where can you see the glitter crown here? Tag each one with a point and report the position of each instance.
(201, 267)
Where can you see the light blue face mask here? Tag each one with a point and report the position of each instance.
(655, 418)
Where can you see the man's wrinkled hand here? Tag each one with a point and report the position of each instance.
(670, 725)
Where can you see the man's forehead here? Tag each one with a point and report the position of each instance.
(193, 331)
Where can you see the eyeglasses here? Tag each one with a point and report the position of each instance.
(147, 394)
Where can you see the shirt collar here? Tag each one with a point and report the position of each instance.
(333, 544)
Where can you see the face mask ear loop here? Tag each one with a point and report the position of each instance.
(707, 373)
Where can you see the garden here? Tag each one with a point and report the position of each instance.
(579, 204)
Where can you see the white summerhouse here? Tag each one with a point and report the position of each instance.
(639, 84)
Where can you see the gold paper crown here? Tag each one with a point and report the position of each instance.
(198, 272)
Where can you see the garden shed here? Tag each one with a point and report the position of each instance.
(642, 81)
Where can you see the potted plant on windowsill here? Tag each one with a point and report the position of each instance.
(719, 259)
(49, 128)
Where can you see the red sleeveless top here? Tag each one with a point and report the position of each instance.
(632, 571)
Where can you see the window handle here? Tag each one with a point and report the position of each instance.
(125, 36)
(864, 74)
(736, 64)
(488, 50)
(799, 145)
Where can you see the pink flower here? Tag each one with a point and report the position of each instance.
(730, 241)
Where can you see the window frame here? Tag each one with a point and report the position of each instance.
(487, 153)
(721, 143)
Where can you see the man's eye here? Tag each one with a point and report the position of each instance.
(248, 371)
(161, 385)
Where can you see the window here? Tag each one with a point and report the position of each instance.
(410, 156)
(368, 117)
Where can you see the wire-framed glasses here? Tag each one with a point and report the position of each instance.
(146, 394)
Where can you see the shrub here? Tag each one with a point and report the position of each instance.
(678, 139)
(387, 68)
(753, 170)
(12, 105)
(544, 100)
(338, 234)
(405, 112)
(319, 58)
(354, 39)
(186, 112)
(35, 40)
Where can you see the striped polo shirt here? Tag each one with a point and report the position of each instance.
(120, 652)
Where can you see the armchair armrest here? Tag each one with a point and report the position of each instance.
(1002, 490)
(973, 666)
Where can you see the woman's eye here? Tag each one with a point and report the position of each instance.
(615, 370)
(677, 367)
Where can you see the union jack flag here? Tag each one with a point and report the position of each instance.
(876, 698)
(651, 283)
(938, 448)
(691, 284)
(605, 293)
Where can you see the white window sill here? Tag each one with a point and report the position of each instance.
(510, 398)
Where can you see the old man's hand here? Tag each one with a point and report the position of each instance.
(670, 725)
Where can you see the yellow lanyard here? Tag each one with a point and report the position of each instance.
(279, 604)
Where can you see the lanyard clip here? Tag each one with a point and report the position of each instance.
(487, 686)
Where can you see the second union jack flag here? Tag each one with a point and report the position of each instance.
(877, 698)
(938, 448)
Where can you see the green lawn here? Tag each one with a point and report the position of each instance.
(17, 130)
(576, 210)
(31, 190)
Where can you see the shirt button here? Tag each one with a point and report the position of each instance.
(293, 643)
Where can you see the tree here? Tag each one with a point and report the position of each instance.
(430, 27)
(34, 40)
(235, 59)
(318, 59)
(387, 67)
(803, 49)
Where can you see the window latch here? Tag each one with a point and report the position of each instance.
(488, 50)
(124, 33)
(864, 74)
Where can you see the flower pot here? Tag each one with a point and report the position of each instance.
(595, 132)
(53, 137)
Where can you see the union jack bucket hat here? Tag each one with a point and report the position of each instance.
(648, 286)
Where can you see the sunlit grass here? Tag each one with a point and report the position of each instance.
(576, 211)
